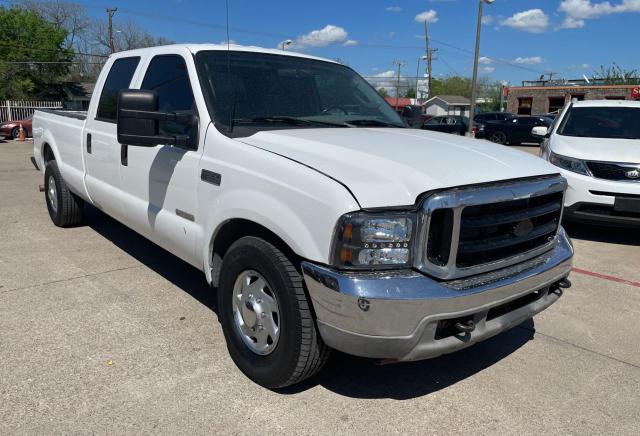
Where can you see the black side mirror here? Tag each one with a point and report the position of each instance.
(139, 120)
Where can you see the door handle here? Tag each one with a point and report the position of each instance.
(89, 143)
(123, 154)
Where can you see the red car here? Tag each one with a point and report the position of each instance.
(11, 129)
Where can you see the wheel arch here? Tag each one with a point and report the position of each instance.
(233, 229)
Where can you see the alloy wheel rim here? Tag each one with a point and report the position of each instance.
(256, 313)
(52, 194)
(499, 137)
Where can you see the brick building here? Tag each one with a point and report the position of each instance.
(537, 98)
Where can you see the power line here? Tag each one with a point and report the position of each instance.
(21, 47)
(52, 62)
(139, 13)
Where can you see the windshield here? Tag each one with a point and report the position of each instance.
(602, 122)
(248, 92)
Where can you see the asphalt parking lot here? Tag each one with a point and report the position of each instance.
(103, 332)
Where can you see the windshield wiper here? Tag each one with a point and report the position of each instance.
(367, 122)
(288, 120)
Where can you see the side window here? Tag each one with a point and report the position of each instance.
(168, 76)
(119, 77)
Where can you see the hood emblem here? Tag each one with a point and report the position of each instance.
(523, 228)
(633, 174)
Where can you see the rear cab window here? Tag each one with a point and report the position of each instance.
(119, 77)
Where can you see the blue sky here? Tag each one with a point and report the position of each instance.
(521, 38)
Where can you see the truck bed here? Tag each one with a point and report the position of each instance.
(80, 115)
(62, 131)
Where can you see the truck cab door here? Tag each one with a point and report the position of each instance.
(101, 147)
(160, 183)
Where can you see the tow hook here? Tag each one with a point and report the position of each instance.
(564, 284)
(465, 326)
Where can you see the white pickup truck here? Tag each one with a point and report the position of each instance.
(323, 222)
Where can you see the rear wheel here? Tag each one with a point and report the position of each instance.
(498, 137)
(65, 208)
(266, 315)
(15, 133)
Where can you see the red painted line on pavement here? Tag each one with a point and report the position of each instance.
(606, 277)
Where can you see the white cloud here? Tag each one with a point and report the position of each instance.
(533, 60)
(487, 19)
(577, 11)
(429, 16)
(579, 67)
(393, 9)
(350, 42)
(391, 34)
(533, 20)
(389, 80)
(485, 60)
(488, 69)
(572, 23)
(329, 34)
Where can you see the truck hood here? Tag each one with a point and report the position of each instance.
(602, 149)
(386, 167)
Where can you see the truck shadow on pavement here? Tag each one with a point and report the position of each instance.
(356, 377)
(345, 375)
(173, 269)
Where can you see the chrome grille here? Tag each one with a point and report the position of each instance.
(470, 231)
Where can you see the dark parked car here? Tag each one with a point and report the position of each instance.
(455, 124)
(513, 131)
(493, 116)
(11, 129)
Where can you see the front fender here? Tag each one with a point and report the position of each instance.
(271, 213)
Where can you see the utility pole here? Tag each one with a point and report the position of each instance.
(430, 51)
(474, 79)
(110, 13)
(398, 64)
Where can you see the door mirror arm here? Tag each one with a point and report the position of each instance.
(139, 120)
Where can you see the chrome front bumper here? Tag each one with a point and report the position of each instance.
(401, 315)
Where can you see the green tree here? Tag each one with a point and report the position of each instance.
(383, 92)
(410, 92)
(616, 75)
(32, 54)
(452, 85)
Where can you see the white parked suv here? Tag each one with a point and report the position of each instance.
(596, 145)
(322, 221)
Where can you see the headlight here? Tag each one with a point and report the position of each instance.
(569, 163)
(370, 240)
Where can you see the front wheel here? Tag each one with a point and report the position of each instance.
(498, 137)
(266, 316)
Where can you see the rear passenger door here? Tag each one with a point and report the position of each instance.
(100, 143)
(160, 183)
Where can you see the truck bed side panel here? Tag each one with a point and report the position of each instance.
(64, 135)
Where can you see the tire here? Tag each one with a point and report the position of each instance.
(296, 352)
(498, 137)
(65, 208)
(15, 132)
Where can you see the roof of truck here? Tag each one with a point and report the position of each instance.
(606, 103)
(195, 48)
